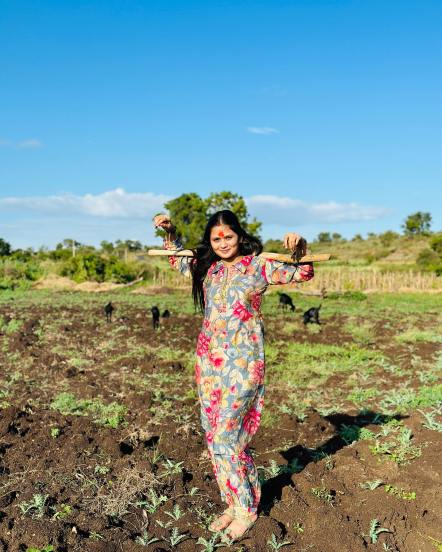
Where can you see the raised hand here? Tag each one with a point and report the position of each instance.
(295, 243)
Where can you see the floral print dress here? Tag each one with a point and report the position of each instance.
(229, 367)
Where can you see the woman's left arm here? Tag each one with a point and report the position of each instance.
(277, 272)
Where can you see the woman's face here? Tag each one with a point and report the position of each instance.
(224, 242)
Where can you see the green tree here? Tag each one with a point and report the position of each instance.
(107, 247)
(417, 224)
(235, 203)
(189, 213)
(324, 237)
(5, 248)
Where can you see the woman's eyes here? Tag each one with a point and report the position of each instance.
(225, 237)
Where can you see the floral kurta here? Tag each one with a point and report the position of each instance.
(229, 368)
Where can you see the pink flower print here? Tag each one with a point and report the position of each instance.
(173, 261)
(198, 372)
(306, 272)
(246, 260)
(215, 398)
(203, 344)
(229, 499)
(254, 338)
(256, 371)
(240, 311)
(231, 487)
(212, 416)
(255, 301)
(206, 323)
(209, 437)
(233, 389)
(263, 273)
(251, 421)
(216, 360)
(231, 424)
(236, 405)
(244, 457)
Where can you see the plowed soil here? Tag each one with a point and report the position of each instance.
(96, 480)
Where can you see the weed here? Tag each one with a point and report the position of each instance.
(371, 485)
(101, 470)
(35, 507)
(430, 422)
(376, 530)
(322, 493)
(400, 493)
(55, 432)
(175, 537)
(209, 545)
(400, 450)
(145, 539)
(111, 415)
(93, 535)
(172, 468)
(274, 544)
(351, 433)
(298, 528)
(154, 501)
(64, 511)
(47, 548)
(176, 513)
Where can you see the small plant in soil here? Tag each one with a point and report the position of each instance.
(172, 468)
(35, 507)
(298, 527)
(274, 544)
(176, 513)
(322, 493)
(48, 548)
(93, 535)
(400, 493)
(209, 545)
(376, 530)
(371, 485)
(154, 500)
(430, 421)
(63, 512)
(175, 537)
(145, 539)
(55, 432)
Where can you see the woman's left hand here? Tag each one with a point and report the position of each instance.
(295, 243)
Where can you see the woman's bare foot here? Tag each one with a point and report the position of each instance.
(221, 522)
(239, 527)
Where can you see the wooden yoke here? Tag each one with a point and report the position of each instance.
(268, 255)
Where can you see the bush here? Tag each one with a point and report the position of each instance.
(18, 274)
(92, 266)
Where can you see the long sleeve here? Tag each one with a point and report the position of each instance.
(278, 272)
(182, 264)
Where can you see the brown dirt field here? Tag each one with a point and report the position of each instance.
(94, 476)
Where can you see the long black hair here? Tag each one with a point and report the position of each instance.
(204, 255)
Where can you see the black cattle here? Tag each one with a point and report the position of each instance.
(166, 314)
(155, 317)
(108, 310)
(285, 301)
(311, 316)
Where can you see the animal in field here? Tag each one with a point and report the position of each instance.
(285, 301)
(166, 314)
(108, 310)
(311, 316)
(155, 317)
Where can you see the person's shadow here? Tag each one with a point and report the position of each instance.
(299, 456)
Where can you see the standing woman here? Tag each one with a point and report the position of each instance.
(228, 281)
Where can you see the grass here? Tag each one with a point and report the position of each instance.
(111, 415)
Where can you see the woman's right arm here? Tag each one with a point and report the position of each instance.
(171, 241)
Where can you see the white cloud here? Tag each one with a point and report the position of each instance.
(112, 204)
(262, 130)
(287, 211)
(32, 143)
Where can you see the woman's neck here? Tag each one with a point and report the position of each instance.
(229, 262)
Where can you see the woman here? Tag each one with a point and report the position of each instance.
(228, 281)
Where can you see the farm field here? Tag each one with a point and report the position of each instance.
(101, 448)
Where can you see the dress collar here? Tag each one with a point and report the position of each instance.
(240, 265)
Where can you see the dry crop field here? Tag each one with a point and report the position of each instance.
(101, 447)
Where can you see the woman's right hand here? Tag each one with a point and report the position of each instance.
(164, 222)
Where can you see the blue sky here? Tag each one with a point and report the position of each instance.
(324, 115)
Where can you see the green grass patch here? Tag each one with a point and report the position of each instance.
(110, 415)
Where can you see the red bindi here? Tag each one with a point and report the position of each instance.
(220, 234)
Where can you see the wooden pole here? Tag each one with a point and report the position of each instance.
(268, 255)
